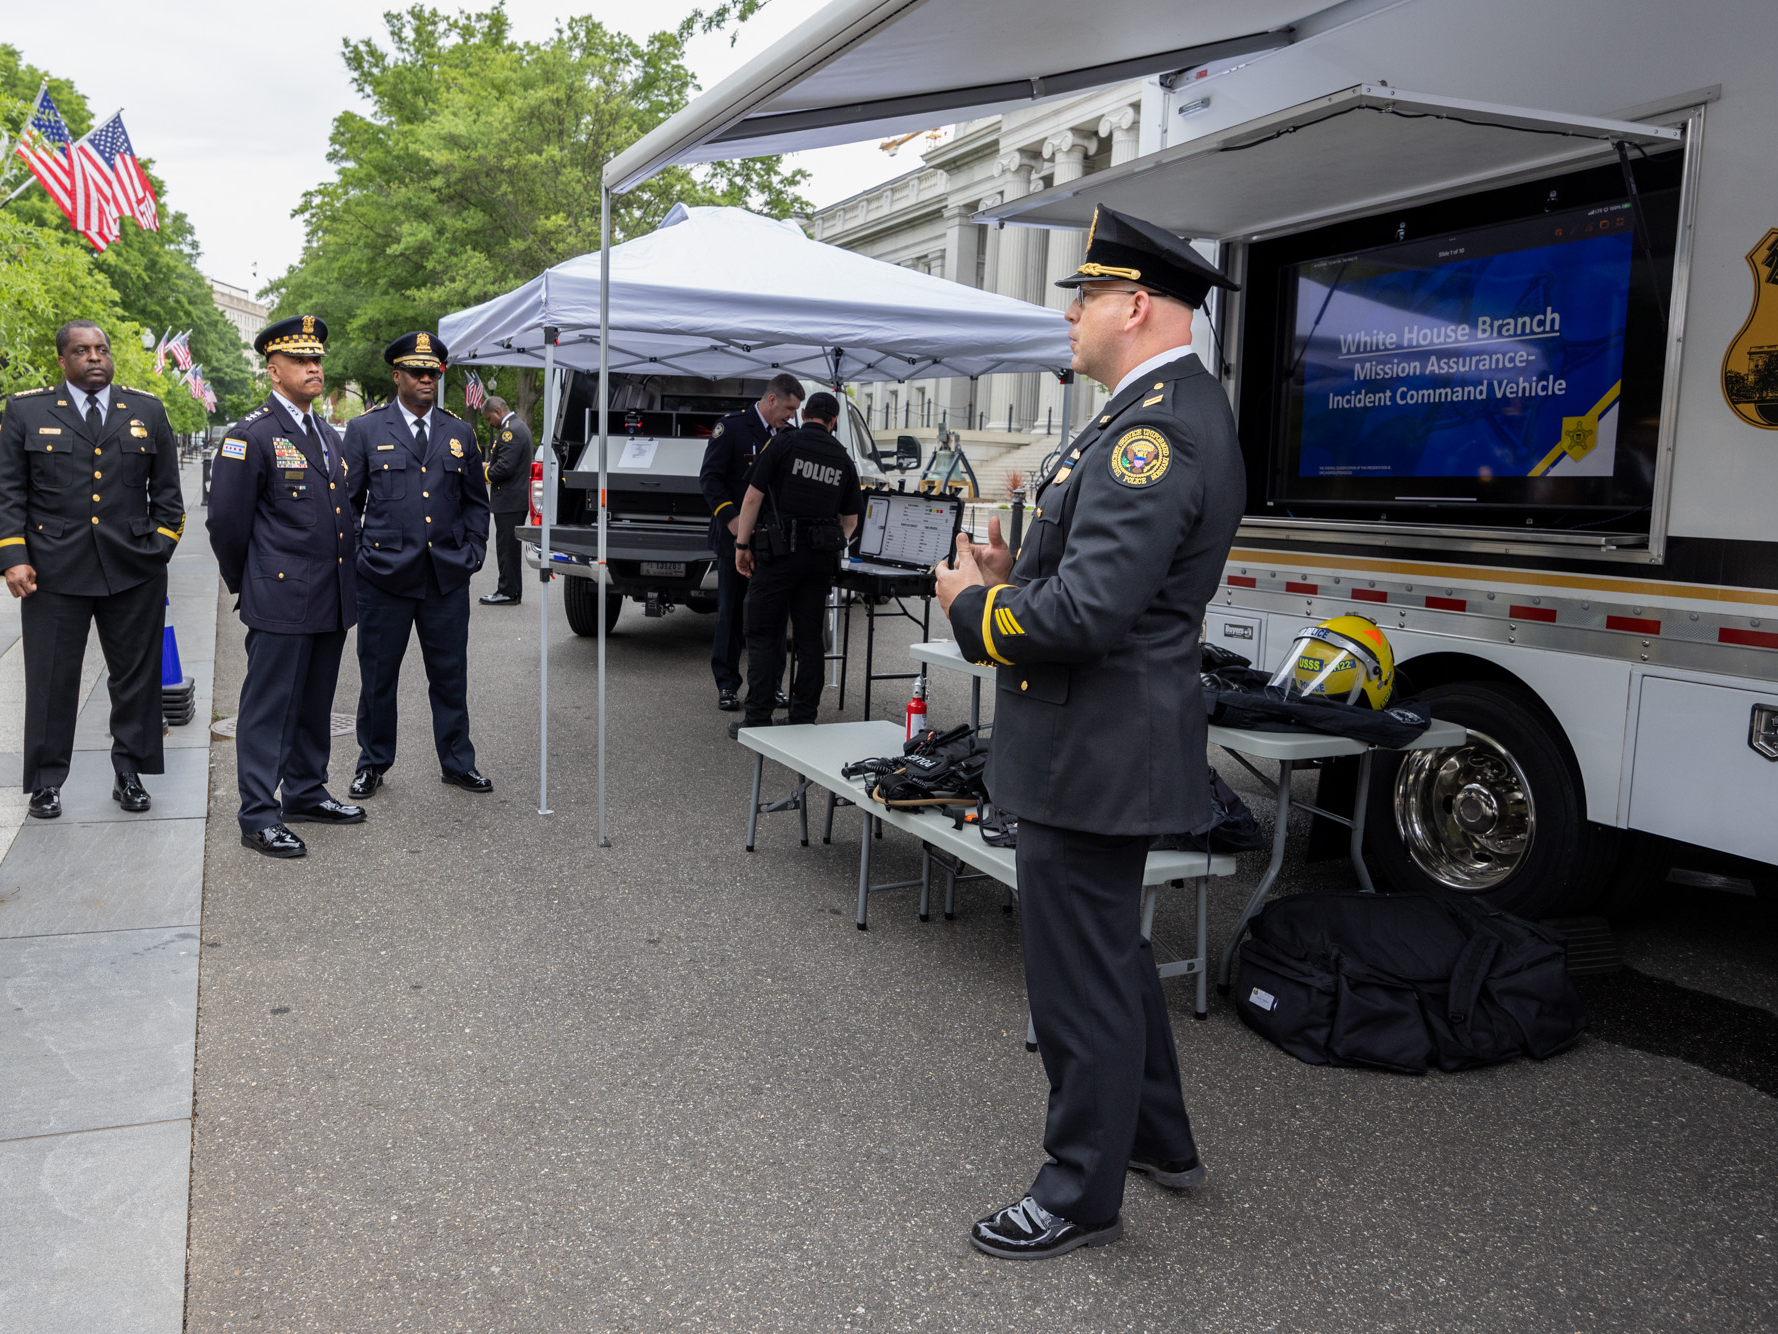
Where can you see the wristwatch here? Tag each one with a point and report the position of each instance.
(743, 546)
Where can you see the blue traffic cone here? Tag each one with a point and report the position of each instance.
(179, 693)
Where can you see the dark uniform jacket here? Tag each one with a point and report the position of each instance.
(1099, 714)
(419, 512)
(509, 467)
(805, 474)
(93, 516)
(728, 459)
(279, 525)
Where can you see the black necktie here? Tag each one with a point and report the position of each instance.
(95, 420)
(420, 434)
(316, 440)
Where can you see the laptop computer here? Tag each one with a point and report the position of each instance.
(906, 532)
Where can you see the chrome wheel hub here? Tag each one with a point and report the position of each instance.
(1465, 814)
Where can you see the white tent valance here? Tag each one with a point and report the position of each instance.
(722, 292)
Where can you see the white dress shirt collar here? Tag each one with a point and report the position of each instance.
(297, 415)
(411, 420)
(80, 398)
(1154, 363)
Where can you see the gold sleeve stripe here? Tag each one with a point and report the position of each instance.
(169, 532)
(1006, 622)
(12, 541)
(720, 508)
(988, 624)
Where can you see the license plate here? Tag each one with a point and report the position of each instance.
(663, 569)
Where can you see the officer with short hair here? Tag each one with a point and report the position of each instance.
(803, 501)
(1099, 726)
(734, 443)
(284, 541)
(509, 497)
(90, 514)
(416, 484)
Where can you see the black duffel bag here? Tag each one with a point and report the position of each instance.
(1404, 981)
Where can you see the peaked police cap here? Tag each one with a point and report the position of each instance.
(1119, 246)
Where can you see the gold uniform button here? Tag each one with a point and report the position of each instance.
(1023, 685)
(427, 494)
(280, 574)
(97, 473)
(95, 495)
(422, 467)
(98, 451)
(95, 518)
(428, 518)
(330, 486)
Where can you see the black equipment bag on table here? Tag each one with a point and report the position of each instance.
(1404, 981)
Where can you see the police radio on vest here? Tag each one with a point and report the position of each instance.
(824, 473)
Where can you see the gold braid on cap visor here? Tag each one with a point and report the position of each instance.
(306, 345)
(1107, 271)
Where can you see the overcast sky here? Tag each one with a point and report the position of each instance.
(233, 102)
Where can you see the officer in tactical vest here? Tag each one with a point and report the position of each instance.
(284, 541)
(416, 484)
(728, 459)
(802, 504)
(1099, 726)
(90, 513)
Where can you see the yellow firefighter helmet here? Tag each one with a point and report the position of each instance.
(1341, 659)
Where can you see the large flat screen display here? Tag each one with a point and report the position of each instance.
(1499, 352)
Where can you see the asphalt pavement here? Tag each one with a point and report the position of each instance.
(463, 1069)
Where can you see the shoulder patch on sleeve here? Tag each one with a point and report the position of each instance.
(717, 432)
(506, 435)
(234, 449)
(1140, 457)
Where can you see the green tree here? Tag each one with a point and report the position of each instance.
(152, 276)
(478, 167)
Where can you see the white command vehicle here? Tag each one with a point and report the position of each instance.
(1505, 363)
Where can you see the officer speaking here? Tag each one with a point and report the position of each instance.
(1099, 725)
(802, 503)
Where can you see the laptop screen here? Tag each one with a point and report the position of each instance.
(908, 528)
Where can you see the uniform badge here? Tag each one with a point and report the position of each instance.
(506, 435)
(456, 449)
(1140, 457)
(717, 431)
(234, 449)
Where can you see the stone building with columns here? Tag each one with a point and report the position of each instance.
(922, 220)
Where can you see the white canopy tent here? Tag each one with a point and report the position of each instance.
(721, 292)
(862, 68)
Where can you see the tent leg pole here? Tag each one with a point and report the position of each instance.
(604, 425)
(546, 509)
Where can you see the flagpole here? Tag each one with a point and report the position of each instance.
(30, 176)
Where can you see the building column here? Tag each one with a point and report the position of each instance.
(1123, 128)
(1068, 151)
(1014, 277)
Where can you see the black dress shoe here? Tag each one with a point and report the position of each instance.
(364, 782)
(275, 841)
(728, 700)
(780, 700)
(46, 803)
(1174, 1176)
(469, 780)
(326, 812)
(498, 600)
(1028, 1231)
(129, 793)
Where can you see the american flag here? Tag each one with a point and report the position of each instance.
(96, 206)
(160, 353)
(134, 195)
(180, 350)
(473, 397)
(46, 148)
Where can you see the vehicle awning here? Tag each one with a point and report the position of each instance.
(861, 68)
(1346, 154)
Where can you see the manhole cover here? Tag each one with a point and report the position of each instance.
(344, 724)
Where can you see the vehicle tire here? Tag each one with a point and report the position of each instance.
(580, 599)
(1503, 817)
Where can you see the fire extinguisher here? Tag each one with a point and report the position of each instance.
(916, 715)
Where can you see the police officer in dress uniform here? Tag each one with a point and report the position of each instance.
(416, 483)
(509, 497)
(728, 458)
(1099, 726)
(90, 514)
(285, 542)
(802, 504)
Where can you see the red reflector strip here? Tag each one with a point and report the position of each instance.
(1635, 625)
(1369, 595)
(1243, 581)
(1748, 638)
(1310, 589)
(1531, 613)
(1448, 604)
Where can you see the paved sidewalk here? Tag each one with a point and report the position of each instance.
(99, 969)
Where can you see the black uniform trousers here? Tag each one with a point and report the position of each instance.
(731, 597)
(285, 730)
(508, 553)
(792, 588)
(54, 627)
(385, 622)
(1101, 1019)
